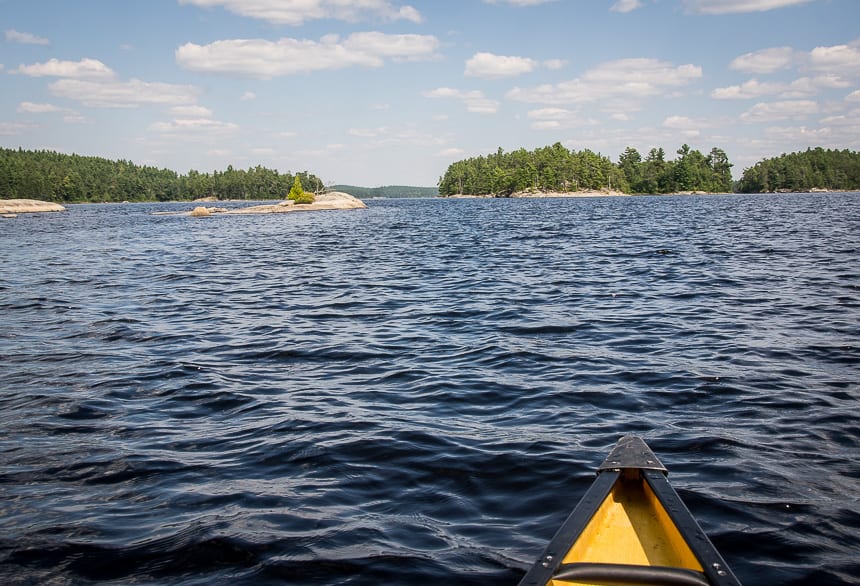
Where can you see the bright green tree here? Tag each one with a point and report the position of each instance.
(299, 195)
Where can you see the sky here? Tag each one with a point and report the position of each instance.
(384, 92)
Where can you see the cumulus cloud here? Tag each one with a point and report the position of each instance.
(13, 36)
(737, 6)
(194, 128)
(626, 81)
(475, 100)
(555, 118)
(297, 12)
(124, 94)
(765, 61)
(831, 67)
(267, 59)
(843, 60)
(85, 68)
(748, 90)
(782, 110)
(491, 66)
(625, 6)
(31, 108)
(69, 116)
(191, 111)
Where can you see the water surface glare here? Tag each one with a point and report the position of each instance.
(420, 391)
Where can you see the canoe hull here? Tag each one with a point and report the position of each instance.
(631, 527)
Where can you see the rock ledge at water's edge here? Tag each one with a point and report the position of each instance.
(10, 207)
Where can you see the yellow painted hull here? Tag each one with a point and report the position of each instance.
(630, 528)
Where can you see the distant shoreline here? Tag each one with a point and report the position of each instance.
(613, 193)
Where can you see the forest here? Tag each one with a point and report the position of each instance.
(52, 176)
(386, 191)
(804, 170)
(555, 168)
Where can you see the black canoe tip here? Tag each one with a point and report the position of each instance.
(631, 451)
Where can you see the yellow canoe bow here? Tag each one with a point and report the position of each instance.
(630, 528)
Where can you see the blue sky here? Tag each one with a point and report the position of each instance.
(382, 92)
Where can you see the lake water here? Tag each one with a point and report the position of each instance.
(419, 392)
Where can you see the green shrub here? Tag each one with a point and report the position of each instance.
(299, 195)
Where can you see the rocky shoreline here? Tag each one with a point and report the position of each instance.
(536, 194)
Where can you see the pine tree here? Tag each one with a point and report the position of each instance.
(299, 195)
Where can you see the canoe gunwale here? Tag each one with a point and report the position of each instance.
(631, 458)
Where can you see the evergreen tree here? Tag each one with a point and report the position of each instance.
(299, 195)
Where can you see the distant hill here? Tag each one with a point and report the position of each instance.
(387, 191)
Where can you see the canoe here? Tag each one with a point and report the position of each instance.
(631, 527)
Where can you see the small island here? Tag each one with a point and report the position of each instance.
(334, 200)
(298, 200)
(9, 208)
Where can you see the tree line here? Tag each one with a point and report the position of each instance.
(555, 168)
(386, 191)
(804, 170)
(52, 176)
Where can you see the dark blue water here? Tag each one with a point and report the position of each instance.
(419, 392)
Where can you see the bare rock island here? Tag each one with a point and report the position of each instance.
(335, 200)
(9, 208)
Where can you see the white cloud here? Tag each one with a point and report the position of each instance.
(554, 63)
(31, 108)
(248, 96)
(832, 68)
(475, 100)
(69, 116)
(491, 66)
(625, 6)
(683, 125)
(679, 122)
(808, 86)
(267, 59)
(783, 110)
(737, 6)
(367, 132)
(85, 68)
(748, 90)
(124, 94)
(765, 60)
(191, 111)
(625, 82)
(853, 96)
(838, 59)
(297, 12)
(13, 36)
(555, 118)
(194, 128)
